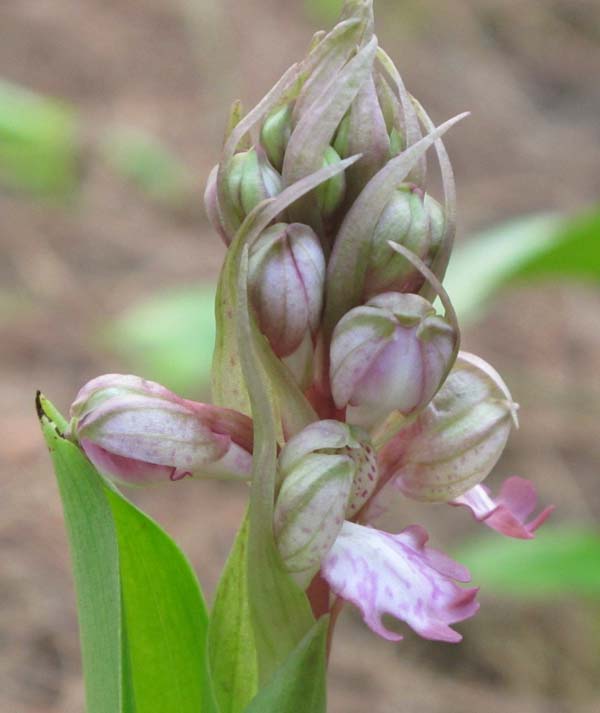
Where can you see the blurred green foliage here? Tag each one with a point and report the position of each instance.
(39, 143)
(323, 11)
(41, 152)
(142, 159)
(525, 249)
(169, 338)
(559, 561)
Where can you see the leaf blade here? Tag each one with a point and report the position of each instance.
(231, 647)
(94, 552)
(300, 681)
(165, 617)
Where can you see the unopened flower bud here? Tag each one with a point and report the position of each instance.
(251, 180)
(396, 142)
(275, 134)
(327, 472)
(331, 193)
(457, 440)
(391, 354)
(286, 282)
(411, 219)
(138, 432)
(211, 205)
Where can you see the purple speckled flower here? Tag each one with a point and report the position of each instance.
(381, 573)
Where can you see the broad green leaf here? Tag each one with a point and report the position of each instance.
(169, 338)
(165, 615)
(299, 684)
(561, 560)
(142, 617)
(535, 246)
(231, 648)
(149, 164)
(279, 609)
(38, 143)
(95, 556)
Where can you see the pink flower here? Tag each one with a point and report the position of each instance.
(382, 573)
(138, 432)
(509, 511)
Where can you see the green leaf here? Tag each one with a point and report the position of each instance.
(142, 618)
(166, 618)
(142, 159)
(561, 560)
(95, 556)
(231, 648)
(169, 338)
(38, 143)
(535, 246)
(299, 684)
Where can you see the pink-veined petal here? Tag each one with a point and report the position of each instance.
(382, 573)
(508, 512)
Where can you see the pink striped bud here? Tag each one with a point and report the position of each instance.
(456, 441)
(286, 280)
(327, 472)
(391, 354)
(416, 221)
(137, 432)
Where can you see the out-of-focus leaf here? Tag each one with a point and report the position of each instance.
(323, 11)
(38, 143)
(169, 338)
(525, 249)
(95, 557)
(142, 618)
(299, 684)
(558, 561)
(142, 159)
(231, 649)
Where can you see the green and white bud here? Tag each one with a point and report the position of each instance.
(327, 472)
(275, 134)
(330, 194)
(414, 220)
(455, 442)
(251, 180)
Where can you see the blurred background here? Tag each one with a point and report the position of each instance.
(111, 115)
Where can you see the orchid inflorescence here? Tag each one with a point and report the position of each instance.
(335, 378)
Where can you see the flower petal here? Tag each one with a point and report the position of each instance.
(382, 573)
(509, 511)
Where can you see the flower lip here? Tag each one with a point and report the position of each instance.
(382, 573)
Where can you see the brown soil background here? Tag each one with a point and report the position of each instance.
(528, 70)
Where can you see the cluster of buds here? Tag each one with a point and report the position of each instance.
(339, 251)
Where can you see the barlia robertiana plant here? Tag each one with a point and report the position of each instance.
(336, 379)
